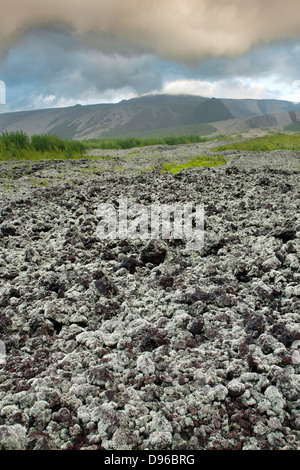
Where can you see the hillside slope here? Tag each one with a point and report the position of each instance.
(139, 116)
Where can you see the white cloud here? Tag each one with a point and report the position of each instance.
(236, 88)
(183, 30)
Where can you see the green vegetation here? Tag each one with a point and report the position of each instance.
(18, 146)
(131, 142)
(39, 181)
(265, 144)
(197, 160)
(294, 127)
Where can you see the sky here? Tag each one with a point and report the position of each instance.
(65, 52)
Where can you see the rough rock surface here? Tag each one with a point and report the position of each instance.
(125, 344)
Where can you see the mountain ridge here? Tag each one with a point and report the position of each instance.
(152, 114)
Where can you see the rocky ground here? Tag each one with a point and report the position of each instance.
(136, 344)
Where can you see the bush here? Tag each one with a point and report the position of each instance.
(47, 143)
(17, 140)
(130, 142)
(18, 146)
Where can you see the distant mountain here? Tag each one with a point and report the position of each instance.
(150, 114)
(247, 108)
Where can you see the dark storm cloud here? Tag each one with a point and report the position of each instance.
(184, 30)
(282, 58)
(62, 52)
(54, 68)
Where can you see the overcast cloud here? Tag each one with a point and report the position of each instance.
(60, 53)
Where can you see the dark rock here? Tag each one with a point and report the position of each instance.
(255, 326)
(285, 234)
(235, 388)
(264, 181)
(13, 292)
(41, 227)
(241, 273)
(98, 375)
(4, 301)
(225, 300)
(5, 322)
(88, 242)
(29, 254)
(51, 282)
(130, 264)
(63, 417)
(196, 326)
(196, 308)
(10, 275)
(212, 247)
(198, 294)
(155, 252)
(98, 275)
(110, 395)
(56, 325)
(166, 281)
(152, 338)
(7, 230)
(252, 363)
(105, 287)
(107, 311)
(108, 255)
(232, 170)
(281, 333)
(285, 187)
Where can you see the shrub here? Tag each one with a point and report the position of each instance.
(17, 140)
(18, 146)
(130, 142)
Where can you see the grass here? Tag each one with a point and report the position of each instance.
(197, 160)
(264, 144)
(123, 143)
(18, 146)
(132, 142)
(294, 127)
(35, 181)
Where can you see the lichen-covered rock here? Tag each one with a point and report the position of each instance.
(145, 364)
(13, 437)
(235, 388)
(142, 343)
(160, 440)
(275, 398)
